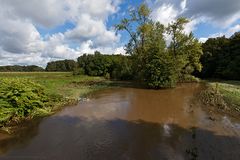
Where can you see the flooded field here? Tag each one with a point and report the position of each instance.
(129, 124)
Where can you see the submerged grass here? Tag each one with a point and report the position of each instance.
(58, 89)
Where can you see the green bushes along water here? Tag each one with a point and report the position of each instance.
(21, 98)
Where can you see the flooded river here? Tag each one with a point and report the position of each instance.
(129, 124)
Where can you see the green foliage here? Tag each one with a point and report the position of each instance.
(121, 68)
(95, 65)
(187, 78)
(221, 58)
(19, 98)
(107, 76)
(16, 68)
(185, 49)
(61, 66)
(137, 26)
(111, 66)
(152, 61)
(78, 71)
(159, 70)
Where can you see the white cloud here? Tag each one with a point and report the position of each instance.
(165, 14)
(17, 36)
(21, 40)
(183, 4)
(87, 47)
(219, 13)
(232, 30)
(120, 50)
(47, 13)
(203, 39)
(92, 29)
(166, 11)
(22, 59)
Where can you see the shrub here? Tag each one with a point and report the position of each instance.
(19, 98)
(188, 78)
(107, 76)
(78, 71)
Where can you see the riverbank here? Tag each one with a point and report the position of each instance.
(222, 96)
(58, 89)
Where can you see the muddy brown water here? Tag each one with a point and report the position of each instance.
(129, 124)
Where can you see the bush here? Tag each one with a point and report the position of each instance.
(19, 98)
(78, 71)
(107, 76)
(185, 78)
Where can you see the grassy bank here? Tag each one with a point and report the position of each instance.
(33, 94)
(223, 95)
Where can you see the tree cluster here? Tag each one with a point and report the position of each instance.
(61, 66)
(221, 58)
(17, 68)
(110, 66)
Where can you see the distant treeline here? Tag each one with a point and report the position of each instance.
(54, 66)
(110, 66)
(17, 68)
(221, 58)
(61, 66)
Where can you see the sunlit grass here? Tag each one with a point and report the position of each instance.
(230, 90)
(62, 83)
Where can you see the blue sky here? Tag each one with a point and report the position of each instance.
(36, 32)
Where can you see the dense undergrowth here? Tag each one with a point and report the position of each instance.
(23, 98)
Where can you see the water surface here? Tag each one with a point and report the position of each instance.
(129, 124)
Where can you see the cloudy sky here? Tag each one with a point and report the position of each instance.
(34, 32)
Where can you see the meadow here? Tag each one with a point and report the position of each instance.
(61, 83)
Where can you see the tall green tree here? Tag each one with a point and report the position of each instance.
(159, 70)
(137, 26)
(185, 48)
(153, 62)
